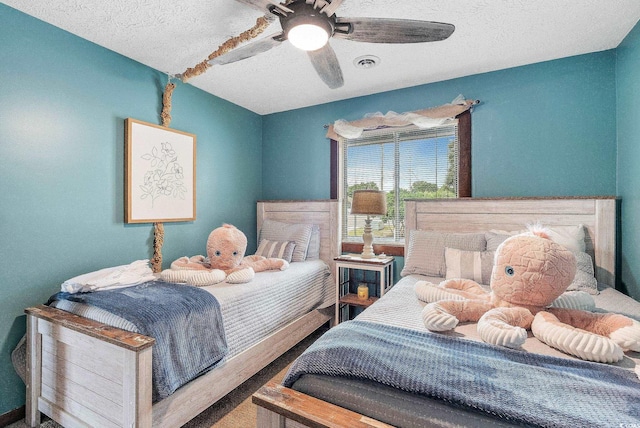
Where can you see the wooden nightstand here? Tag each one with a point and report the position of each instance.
(344, 298)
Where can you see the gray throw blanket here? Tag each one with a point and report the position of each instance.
(513, 385)
(185, 322)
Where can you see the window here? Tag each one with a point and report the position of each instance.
(407, 164)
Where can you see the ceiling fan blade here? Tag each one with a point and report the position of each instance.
(326, 63)
(327, 6)
(387, 30)
(249, 50)
(266, 5)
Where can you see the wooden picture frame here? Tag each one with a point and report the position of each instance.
(160, 174)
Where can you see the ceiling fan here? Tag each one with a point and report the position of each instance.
(308, 25)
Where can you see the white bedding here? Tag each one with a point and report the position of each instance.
(253, 310)
(401, 308)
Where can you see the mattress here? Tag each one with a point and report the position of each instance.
(253, 310)
(399, 307)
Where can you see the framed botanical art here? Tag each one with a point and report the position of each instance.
(160, 173)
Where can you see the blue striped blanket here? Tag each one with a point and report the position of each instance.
(513, 385)
(185, 322)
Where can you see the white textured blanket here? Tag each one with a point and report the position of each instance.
(110, 278)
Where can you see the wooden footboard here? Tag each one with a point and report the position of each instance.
(84, 373)
(280, 407)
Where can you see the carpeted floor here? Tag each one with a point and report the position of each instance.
(235, 410)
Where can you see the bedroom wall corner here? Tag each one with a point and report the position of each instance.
(628, 173)
(62, 110)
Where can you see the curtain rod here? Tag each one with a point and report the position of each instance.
(327, 125)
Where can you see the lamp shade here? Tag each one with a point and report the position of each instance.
(369, 202)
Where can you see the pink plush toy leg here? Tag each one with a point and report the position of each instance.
(464, 287)
(583, 344)
(446, 314)
(260, 264)
(619, 328)
(190, 263)
(451, 289)
(505, 326)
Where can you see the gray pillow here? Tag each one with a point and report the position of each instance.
(584, 279)
(425, 252)
(298, 233)
(276, 249)
(313, 253)
(494, 240)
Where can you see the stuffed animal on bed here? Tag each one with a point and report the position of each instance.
(226, 261)
(530, 275)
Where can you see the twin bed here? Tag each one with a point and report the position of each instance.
(384, 369)
(83, 371)
(69, 356)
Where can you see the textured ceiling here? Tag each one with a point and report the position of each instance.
(171, 36)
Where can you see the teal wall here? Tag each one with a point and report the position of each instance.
(628, 126)
(63, 101)
(544, 129)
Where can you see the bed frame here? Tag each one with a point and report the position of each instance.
(283, 407)
(84, 373)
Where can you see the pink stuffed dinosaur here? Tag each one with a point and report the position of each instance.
(530, 275)
(225, 250)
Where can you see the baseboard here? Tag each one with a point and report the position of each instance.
(12, 416)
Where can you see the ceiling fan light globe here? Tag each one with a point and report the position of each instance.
(308, 37)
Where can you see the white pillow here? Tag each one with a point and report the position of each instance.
(571, 237)
(298, 233)
(475, 265)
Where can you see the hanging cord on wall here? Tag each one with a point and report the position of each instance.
(166, 103)
(261, 24)
(158, 228)
(158, 240)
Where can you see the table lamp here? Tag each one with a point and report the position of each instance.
(369, 202)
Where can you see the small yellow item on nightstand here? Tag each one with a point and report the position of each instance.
(363, 291)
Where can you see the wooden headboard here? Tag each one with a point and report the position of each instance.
(598, 215)
(321, 212)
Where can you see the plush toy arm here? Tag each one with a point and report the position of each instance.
(176, 275)
(575, 300)
(189, 263)
(451, 289)
(505, 326)
(580, 343)
(260, 264)
(204, 278)
(465, 287)
(193, 271)
(445, 315)
(241, 275)
(628, 338)
(429, 292)
(624, 331)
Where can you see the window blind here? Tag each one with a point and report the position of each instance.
(408, 164)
